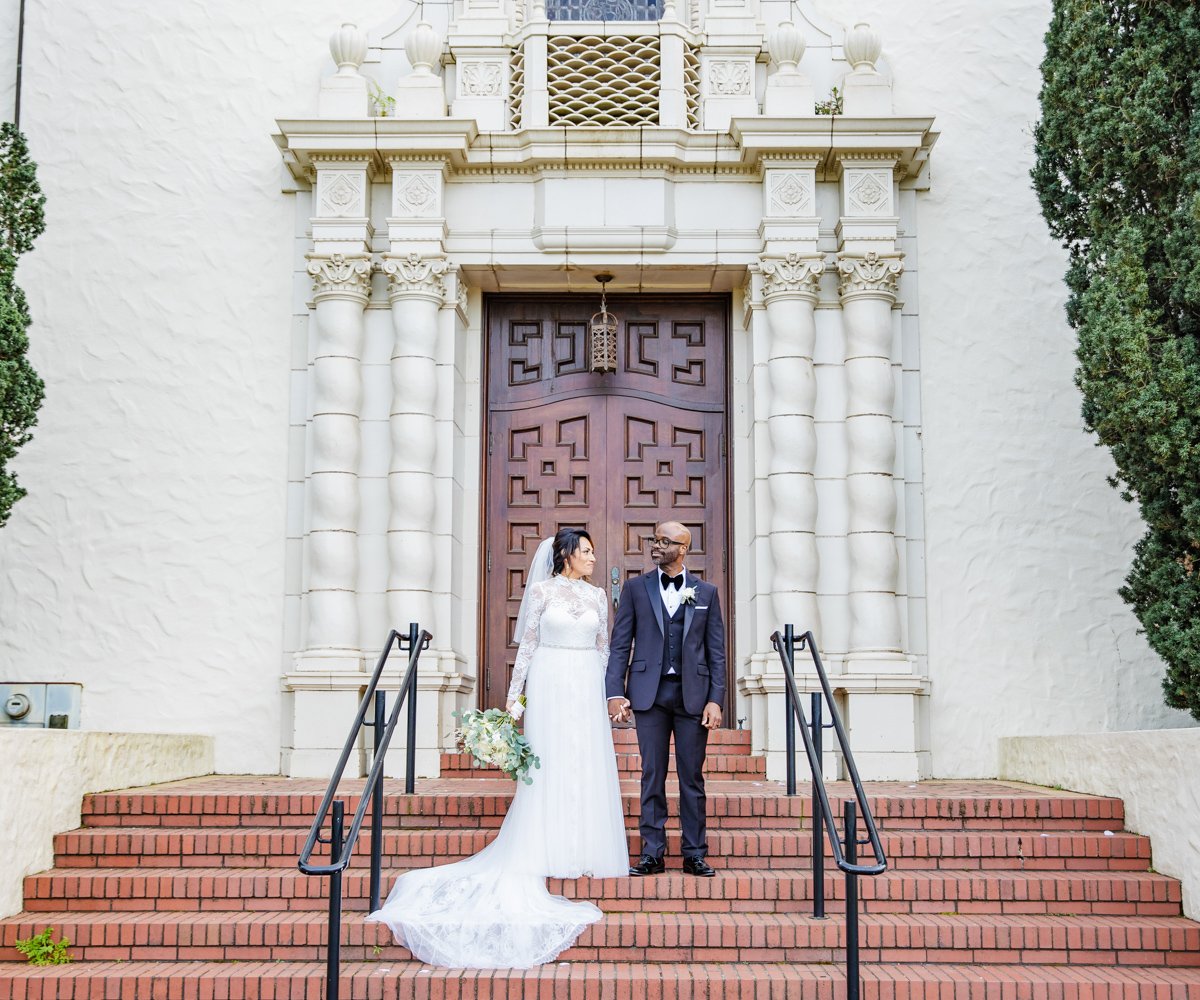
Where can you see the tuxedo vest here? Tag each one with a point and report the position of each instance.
(673, 640)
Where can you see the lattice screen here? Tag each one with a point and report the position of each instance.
(603, 81)
(516, 86)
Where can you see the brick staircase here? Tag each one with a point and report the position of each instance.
(995, 890)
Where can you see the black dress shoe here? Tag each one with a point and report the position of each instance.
(698, 866)
(649, 865)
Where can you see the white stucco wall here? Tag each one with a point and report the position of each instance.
(1027, 544)
(147, 561)
(47, 774)
(1153, 772)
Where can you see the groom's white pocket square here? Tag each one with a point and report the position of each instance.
(701, 607)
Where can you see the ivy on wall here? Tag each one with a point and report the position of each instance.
(1118, 177)
(21, 222)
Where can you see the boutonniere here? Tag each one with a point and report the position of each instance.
(687, 595)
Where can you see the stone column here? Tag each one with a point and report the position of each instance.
(868, 289)
(340, 267)
(416, 292)
(789, 290)
(341, 286)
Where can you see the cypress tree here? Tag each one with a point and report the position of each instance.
(21, 390)
(1118, 177)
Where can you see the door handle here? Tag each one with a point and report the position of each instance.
(616, 587)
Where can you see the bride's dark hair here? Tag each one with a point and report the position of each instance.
(566, 544)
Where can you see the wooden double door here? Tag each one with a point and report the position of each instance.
(615, 453)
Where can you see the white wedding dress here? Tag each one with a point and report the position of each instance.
(492, 910)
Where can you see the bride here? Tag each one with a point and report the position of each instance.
(492, 911)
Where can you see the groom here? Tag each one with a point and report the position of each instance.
(667, 663)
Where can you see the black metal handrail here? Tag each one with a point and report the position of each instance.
(846, 859)
(342, 844)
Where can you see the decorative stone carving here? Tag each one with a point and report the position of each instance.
(477, 78)
(793, 275)
(417, 196)
(791, 193)
(340, 275)
(868, 192)
(863, 46)
(871, 274)
(729, 78)
(341, 194)
(420, 94)
(413, 274)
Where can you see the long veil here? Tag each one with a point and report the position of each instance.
(539, 570)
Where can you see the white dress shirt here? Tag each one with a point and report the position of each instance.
(671, 597)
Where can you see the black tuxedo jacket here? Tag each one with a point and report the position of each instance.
(636, 652)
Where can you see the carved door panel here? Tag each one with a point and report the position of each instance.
(615, 454)
(546, 471)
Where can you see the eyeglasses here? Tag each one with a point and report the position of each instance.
(661, 543)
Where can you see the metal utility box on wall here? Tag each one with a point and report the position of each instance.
(40, 706)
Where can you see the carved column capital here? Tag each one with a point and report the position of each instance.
(792, 275)
(869, 274)
(340, 275)
(413, 274)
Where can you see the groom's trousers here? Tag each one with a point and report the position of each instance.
(655, 727)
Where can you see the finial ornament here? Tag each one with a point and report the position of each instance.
(863, 46)
(424, 48)
(787, 47)
(348, 46)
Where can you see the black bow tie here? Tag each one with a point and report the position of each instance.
(672, 581)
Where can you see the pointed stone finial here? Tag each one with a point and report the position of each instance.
(866, 93)
(348, 46)
(344, 95)
(863, 46)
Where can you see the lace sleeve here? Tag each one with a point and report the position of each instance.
(529, 641)
(602, 633)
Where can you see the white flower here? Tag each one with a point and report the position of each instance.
(687, 595)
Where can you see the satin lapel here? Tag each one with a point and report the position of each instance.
(689, 610)
(652, 591)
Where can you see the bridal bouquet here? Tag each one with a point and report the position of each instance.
(490, 736)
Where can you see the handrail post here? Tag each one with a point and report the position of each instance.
(851, 852)
(410, 766)
(333, 957)
(818, 841)
(377, 805)
(789, 643)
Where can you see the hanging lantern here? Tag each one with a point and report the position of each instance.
(602, 333)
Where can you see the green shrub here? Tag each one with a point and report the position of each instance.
(1118, 177)
(21, 222)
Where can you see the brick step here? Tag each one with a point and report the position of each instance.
(588, 980)
(763, 890)
(995, 939)
(934, 806)
(717, 767)
(155, 847)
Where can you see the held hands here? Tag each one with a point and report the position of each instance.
(618, 709)
(711, 718)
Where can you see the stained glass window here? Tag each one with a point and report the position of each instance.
(604, 10)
